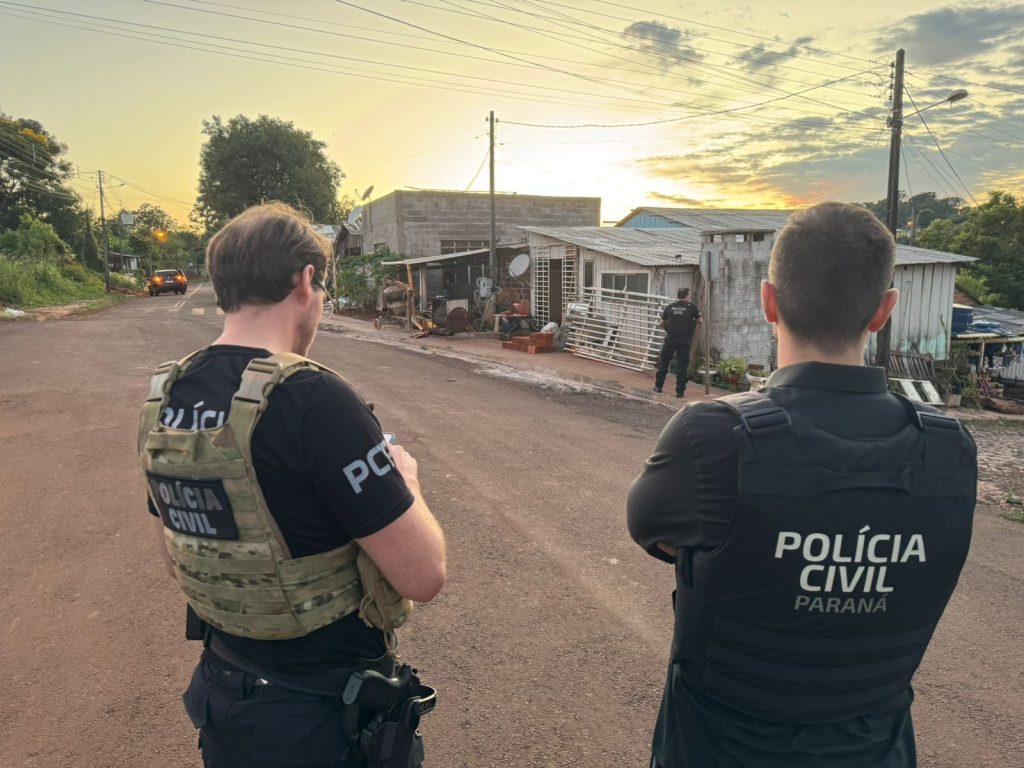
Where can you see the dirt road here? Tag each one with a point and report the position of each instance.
(550, 642)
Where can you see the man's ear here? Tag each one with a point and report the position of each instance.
(885, 308)
(769, 303)
(304, 283)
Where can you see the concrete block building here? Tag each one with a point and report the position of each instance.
(420, 223)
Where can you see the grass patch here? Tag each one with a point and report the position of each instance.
(1014, 515)
(30, 284)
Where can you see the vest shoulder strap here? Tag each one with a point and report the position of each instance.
(258, 381)
(164, 377)
(766, 425)
(944, 437)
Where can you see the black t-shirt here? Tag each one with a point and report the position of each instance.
(686, 498)
(315, 426)
(680, 320)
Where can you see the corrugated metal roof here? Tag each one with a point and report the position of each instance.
(718, 218)
(909, 254)
(739, 219)
(1009, 320)
(660, 247)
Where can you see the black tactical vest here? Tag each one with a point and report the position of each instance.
(821, 601)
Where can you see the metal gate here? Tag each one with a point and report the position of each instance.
(618, 327)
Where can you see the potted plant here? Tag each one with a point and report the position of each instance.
(732, 369)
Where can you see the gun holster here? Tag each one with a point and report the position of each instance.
(382, 716)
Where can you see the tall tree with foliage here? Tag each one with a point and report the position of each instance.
(245, 162)
(993, 233)
(921, 209)
(34, 175)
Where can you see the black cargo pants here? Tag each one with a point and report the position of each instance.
(245, 724)
(681, 350)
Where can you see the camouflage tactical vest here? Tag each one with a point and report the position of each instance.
(228, 553)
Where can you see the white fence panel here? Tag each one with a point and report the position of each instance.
(617, 327)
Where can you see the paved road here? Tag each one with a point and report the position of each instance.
(550, 642)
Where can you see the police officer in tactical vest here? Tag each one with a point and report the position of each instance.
(299, 536)
(680, 320)
(817, 529)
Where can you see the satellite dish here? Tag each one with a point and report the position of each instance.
(519, 265)
(367, 193)
(353, 217)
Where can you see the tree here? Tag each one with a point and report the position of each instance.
(34, 175)
(245, 162)
(34, 241)
(154, 235)
(921, 209)
(993, 233)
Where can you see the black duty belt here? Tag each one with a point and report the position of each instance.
(330, 682)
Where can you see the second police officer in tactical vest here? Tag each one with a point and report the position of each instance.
(298, 535)
(817, 529)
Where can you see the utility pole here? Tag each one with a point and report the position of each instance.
(106, 237)
(884, 338)
(492, 259)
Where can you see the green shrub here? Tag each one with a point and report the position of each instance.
(732, 366)
(121, 281)
(33, 240)
(360, 276)
(26, 284)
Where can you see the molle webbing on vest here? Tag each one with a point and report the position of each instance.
(251, 586)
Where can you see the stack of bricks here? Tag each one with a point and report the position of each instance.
(534, 344)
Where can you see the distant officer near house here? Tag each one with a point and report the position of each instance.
(680, 320)
(817, 529)
(298, 535)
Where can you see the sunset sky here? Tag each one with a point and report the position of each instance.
(769, 104)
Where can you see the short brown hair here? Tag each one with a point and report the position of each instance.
(254, 257)
(830, 266)
(682, 293)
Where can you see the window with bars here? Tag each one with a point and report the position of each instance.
(588, 273)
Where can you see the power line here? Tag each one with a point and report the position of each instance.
(397, 20)
(936, 142)
(691, 33)
(561, 36)
(653, 51)
(476, 175)
(415, 154)
(403, 67)
(944, 184)
(304, 64)
(736, 32)
(677, 119)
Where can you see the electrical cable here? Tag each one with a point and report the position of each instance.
(935, 141)
(305, 64)
(691, 33)
(105, 20)
(477, 174)
(672, 119)
(415, 154)
(654, 51)
(748, 86)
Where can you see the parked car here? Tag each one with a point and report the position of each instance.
(167, 280)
